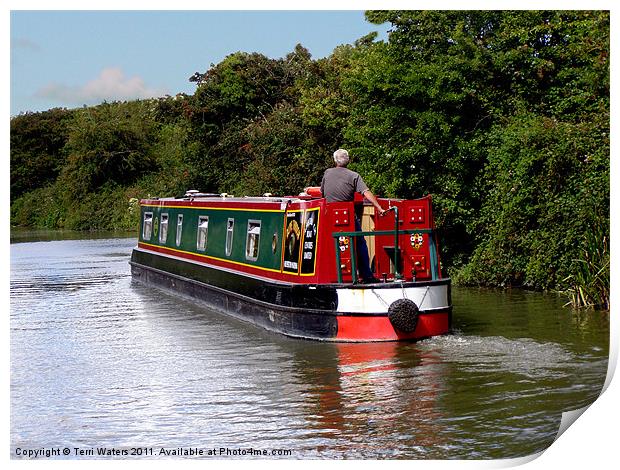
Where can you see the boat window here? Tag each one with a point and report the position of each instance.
(163, 228)
(252, 241)
(179, 228)
(230, 226)
(203, 232)
(147, 226)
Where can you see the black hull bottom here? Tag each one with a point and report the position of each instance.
(271, 317)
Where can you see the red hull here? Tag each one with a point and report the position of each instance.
(355, 328)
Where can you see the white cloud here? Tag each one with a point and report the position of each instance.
(24, 44)
(110, 85)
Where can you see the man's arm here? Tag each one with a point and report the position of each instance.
(371, 197)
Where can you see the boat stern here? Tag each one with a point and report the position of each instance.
(394, 311)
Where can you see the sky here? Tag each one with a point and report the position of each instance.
(74, 58)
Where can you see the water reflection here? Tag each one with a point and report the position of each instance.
(27, 235)
(393, 390)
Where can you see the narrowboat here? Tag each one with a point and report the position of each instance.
(288, 264)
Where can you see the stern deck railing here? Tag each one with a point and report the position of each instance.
(396, 232)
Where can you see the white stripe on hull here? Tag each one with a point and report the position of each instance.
(369, 300)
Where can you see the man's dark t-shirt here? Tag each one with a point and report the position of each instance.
(340, 184)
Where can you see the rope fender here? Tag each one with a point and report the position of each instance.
(403, 314)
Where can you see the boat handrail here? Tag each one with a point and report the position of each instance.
(363, 233)
(367, 233)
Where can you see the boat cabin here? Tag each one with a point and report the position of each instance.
(301, 239)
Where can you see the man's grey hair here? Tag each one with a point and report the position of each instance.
(341, 157)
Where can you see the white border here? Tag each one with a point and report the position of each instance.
(591, 442)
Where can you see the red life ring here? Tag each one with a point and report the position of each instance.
(314, 191)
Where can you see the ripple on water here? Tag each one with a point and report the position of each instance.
(97, 359)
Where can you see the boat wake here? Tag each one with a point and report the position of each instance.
(524, 356)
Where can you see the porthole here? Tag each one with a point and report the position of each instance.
(274, 243)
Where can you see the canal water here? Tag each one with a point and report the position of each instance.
(99, 360)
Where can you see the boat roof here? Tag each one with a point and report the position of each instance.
(217, 198)
(247, 198)
(224, 198)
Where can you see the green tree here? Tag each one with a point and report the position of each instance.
(550, 189)
(37, 142)
(109, 143)
(451, 92)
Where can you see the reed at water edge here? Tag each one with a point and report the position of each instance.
(589, 283)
